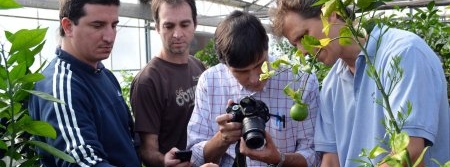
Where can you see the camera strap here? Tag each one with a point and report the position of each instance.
(240, 160)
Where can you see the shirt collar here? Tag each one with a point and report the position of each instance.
(77, 63)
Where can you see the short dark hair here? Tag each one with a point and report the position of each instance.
(240, 40)
(156, 4)
(74, 9)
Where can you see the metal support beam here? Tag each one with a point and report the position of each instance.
(138, 11)
(413, 4)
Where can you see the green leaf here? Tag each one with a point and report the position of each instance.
(6, 111)
(436, 161)
(345, 36)
(400, 141)
(347, 2)
(8, 34)
(24, 39)
(21, 95)
(301, 56)
(420, 158)
(265, 67)
(447, 164)
(289, 91)
(3, 145)
(9, 4)
(431, 5)
(3, 76)
(295, 68)
(318, 3)
(18, 72)
(399, 156)
(52, 150)
(328, 8)
(363, 4)
(324, 42)
(23, 56)
(376, 152)
(446, 29)
(31, 57)
(276, 64)
(32, 77)
(45, 96)
(309, 42)
(40, 128)
(298, 97)
(326, 25)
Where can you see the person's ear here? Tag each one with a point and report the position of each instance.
(67, 26)
(334, 17)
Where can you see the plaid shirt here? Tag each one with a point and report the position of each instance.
(216, 85)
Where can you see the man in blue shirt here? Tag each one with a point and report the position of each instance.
(94, 124)
(349, 119)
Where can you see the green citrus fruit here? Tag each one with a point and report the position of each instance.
(299, 111)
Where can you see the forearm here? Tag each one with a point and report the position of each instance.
(214, 149)
(294, 160)
(152, 158)
(330, 160)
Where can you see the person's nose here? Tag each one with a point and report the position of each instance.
(109, 34)
(178, 33)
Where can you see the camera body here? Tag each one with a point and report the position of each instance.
(253, 114)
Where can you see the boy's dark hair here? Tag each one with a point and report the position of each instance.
(74, 9)
(156, 5)
(240, 40)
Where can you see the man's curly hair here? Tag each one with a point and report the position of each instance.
(303, 8)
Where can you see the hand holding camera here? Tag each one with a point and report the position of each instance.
(229, 132)
(268, 154)
(253, 114)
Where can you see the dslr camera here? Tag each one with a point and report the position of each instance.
(253, 114)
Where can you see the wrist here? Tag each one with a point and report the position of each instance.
(281, 162)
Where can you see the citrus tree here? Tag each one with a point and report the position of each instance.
(398, 154)
(17, 79)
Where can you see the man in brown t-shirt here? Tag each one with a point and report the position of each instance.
(162, 94)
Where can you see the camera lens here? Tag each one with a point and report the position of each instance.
(253, 129)
(255, 140)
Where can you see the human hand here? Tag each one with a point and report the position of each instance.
(171, 161)
(230, 132)
(268, 153)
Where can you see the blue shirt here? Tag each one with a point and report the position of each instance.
(351, 120)
(94, 126)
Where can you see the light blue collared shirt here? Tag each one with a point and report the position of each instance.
(350, 119)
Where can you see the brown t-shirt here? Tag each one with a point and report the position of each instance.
(162, 98)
